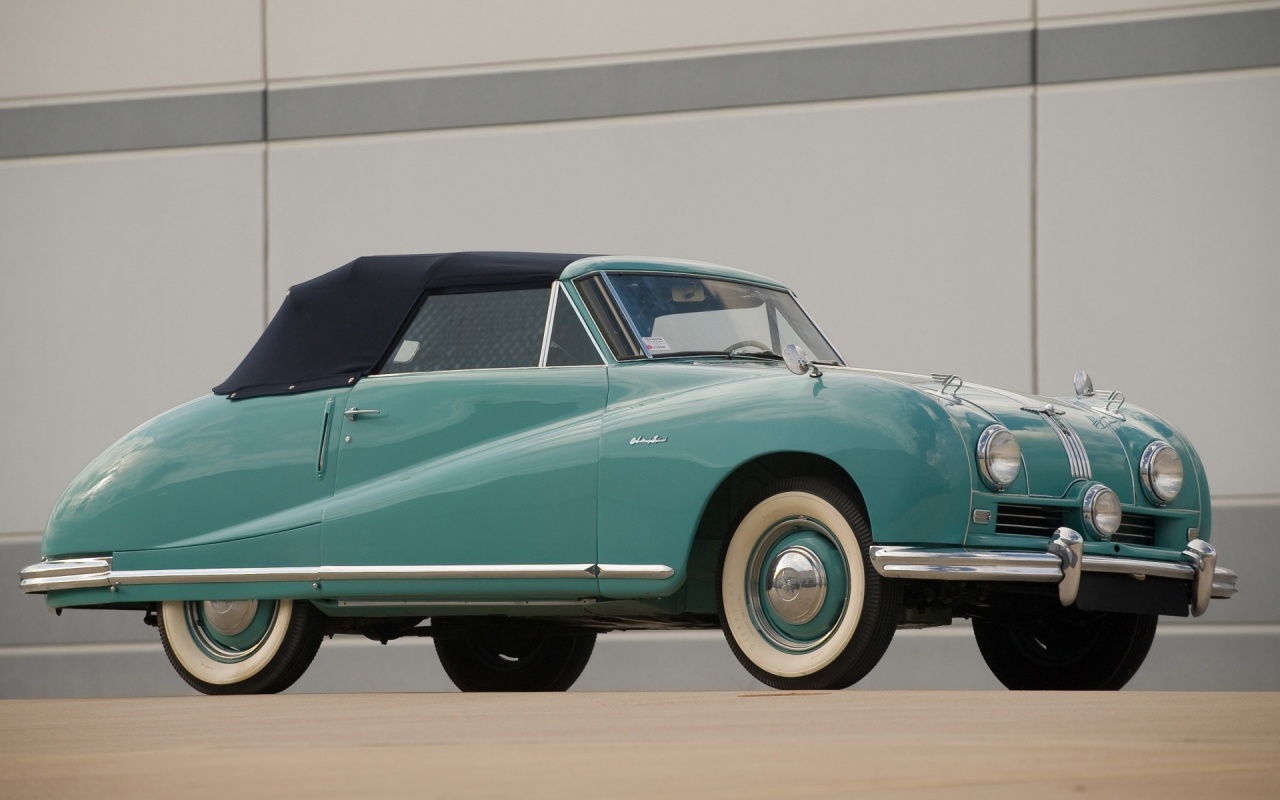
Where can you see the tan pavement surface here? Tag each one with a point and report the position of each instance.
(645, 745)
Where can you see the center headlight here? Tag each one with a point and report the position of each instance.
(999, 457)
(1102, 511)
(1161, 469)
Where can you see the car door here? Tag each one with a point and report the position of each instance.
(466, 453)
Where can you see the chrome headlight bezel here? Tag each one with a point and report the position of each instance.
(1155, 476)
(1102, 522)
(998, 465)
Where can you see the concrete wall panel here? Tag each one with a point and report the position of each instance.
(1157, 254)
(130, 285)
(307, 39)
(893, 220)
(69, 47)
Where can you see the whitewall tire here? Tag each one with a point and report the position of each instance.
(800, 604)
(241, 646)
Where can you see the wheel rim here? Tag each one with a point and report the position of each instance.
(797, 585)
(231, 631)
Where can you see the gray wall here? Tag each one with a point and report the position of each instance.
(1005, 190)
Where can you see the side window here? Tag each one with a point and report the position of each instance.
(570, 344)
(480, 330)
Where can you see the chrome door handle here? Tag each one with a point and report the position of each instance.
(354, 413)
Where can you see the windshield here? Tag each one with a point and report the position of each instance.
(678, 315)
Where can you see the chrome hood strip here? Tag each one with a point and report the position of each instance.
(87, 573)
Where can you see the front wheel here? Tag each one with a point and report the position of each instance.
(513, 657)
(240, 646)
(1066, 650)
(800, 603)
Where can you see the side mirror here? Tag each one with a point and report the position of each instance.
(797, 360)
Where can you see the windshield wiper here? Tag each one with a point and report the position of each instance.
(768, 355)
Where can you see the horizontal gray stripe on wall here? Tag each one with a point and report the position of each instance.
(131, 124)
(1159, 47)
(846, 72)
(751, 79)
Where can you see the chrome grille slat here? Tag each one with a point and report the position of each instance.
(1028, 520)
(1136, 529)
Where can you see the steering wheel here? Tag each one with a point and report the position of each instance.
(736, 346)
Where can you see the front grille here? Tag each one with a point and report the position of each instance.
(1044, 520)
(1136, 529)
(1029, 520)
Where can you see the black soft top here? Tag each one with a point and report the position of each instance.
(335, 329)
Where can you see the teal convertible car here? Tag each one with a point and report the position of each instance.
(514, 452)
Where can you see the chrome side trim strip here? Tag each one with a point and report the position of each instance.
(546, 326)
(655, 572)
(464, 603)
(85, 573)
(386, 573)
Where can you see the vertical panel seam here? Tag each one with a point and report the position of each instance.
(1035, 197)
(266, 171)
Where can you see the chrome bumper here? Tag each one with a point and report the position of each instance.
(66, 573)
(1062, 563)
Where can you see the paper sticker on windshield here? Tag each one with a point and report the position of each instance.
(656, 344)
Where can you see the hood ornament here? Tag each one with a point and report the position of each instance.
(1083, 383)
(1115, 398)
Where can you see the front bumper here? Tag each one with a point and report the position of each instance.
(1061, 563)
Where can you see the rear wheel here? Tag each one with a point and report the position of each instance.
(240, 646)
(1067, 650)
(800, 603)
(513, 658)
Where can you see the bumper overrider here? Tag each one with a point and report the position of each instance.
(1062, 563)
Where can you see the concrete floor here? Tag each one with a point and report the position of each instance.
(918, 744)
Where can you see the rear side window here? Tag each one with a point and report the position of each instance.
(480, 330)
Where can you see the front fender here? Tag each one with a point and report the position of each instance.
(673, 432)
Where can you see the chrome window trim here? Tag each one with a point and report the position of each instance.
(98, 572)
(617, 301)
(772, 287)
(546, 326)
(817, 328)
(604, 361)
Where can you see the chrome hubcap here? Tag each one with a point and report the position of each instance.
(229, 617)
(797, 585)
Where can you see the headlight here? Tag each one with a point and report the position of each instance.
(1161, 470)
(999, 457)
(1101, 511)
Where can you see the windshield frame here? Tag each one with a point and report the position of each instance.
(634, 343)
